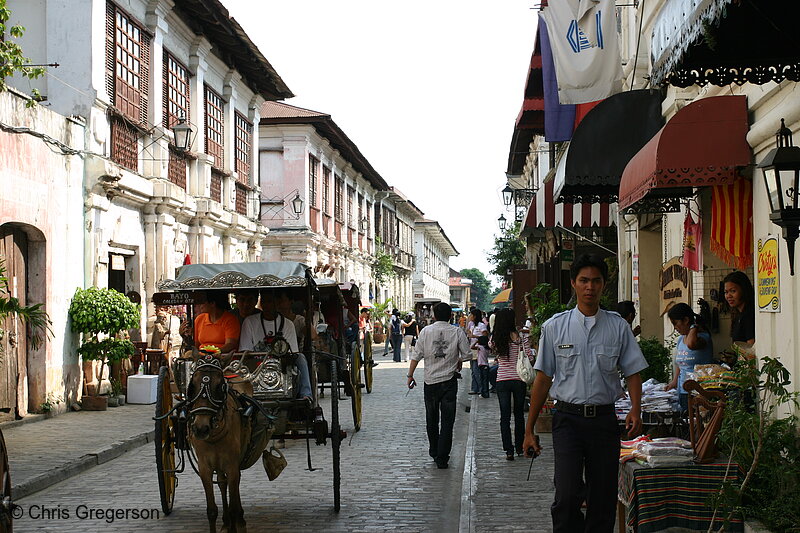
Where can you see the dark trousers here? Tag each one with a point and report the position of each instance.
(440, 407)
(397, 345)
(493, 375)
(506, 392)
(590, 445)
(483, 380)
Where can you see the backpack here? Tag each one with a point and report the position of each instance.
(395, 325)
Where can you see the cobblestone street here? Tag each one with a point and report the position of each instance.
(388, 481)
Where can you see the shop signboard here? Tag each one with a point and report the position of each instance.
(768, 278)
(567, 250)
(674, 284)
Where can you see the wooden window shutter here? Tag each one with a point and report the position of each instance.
(111, 25)
(144, 86)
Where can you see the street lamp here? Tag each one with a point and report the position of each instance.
(501, 222)
(183, 135)
(362, 225)
(781, 170)
(297, 204)
(508, 195)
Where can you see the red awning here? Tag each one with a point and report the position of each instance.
(704, 144)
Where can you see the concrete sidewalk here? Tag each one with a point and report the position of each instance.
(496, 493)
(48, 450)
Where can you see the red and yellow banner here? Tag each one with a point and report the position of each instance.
(732, 223)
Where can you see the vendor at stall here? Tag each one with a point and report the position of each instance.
(739, 294)
(694, 348)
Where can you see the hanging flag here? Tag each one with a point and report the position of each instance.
(558, 118)
(732, 223)
(692, 243)
(583, 37)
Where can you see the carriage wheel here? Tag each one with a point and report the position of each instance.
(355, 384)
(165, 443)
(6, 503)
(368, 362)
(336, 436)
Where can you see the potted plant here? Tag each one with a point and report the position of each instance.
(49, 405)
(101, 316)
(378, 315)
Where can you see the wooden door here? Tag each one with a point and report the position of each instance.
(14, 251)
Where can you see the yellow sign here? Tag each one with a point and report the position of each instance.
(674, 284)
(768, 287)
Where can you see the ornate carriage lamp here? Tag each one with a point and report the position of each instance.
(508, 195)
(183, 135)
(501, 223)
(781, 170)
(297, 204)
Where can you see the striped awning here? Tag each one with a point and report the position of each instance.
(544, 213)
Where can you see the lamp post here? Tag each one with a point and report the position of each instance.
(508, 195)
(501, 223)
(183, 135)
(781, 170)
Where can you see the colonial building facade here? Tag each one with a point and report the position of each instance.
(322, 200)
(129, 72)
(433, 250)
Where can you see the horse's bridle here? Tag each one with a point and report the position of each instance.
(217, 409)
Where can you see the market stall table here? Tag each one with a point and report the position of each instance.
(654, 498)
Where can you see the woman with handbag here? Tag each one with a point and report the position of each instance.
(511, 350)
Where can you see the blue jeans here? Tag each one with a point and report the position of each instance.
(305, 379)
(506, 391)
(475, 387)
(397, 345)
(387, 344)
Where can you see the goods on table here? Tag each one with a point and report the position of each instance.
(668, 451)
(654, 399)
(714, 376)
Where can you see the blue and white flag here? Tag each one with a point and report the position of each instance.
(583, 37)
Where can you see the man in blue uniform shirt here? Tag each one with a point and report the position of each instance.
(581, 353)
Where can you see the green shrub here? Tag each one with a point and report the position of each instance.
(658, 358)
(100, 315)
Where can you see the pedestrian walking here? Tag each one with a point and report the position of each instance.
(581, 352)
(483, 366)
(386, 320)
(476, 328)
(395, 329)
(410, 330)
(443, 348)
(511, 390)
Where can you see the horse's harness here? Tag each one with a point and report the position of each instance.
(209, 363)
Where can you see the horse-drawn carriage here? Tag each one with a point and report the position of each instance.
(255, 392)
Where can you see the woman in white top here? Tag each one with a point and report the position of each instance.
(476, 328)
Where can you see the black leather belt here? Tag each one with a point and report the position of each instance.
(586, 411)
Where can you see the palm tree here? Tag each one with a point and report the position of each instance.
(33, 315)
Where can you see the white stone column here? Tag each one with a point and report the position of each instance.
(199, 174)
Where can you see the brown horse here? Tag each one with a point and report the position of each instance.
(219, 434)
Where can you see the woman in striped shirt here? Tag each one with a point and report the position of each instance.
(506, 344)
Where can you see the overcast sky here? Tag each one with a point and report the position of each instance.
(428, 90)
